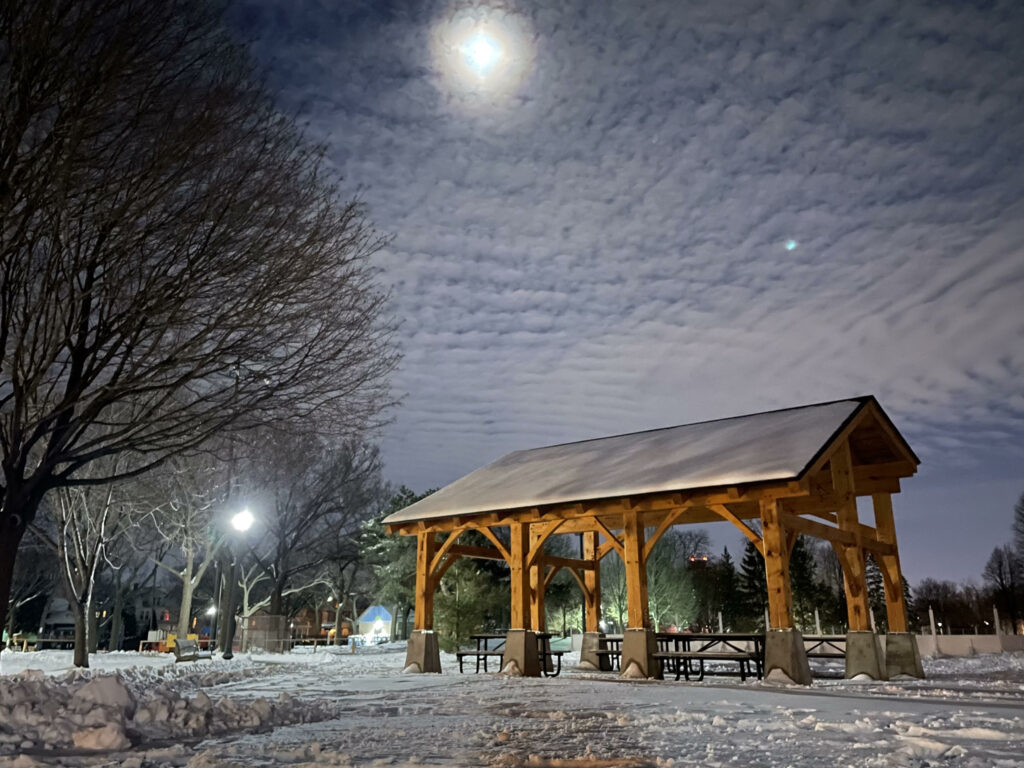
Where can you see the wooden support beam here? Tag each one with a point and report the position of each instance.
(584, 513)
(480, 553)
(666, 522)
(424, 605)
(519, 548)
(858, 611)
(538, 534)
(443, 549)
(493, 538)
(612, 541)
(776, 565)
(579, 580)
(439, 573)
(549, 573)
(895, 608)
(591, 584)
(566, 562)
(726, 514)
(637, 610)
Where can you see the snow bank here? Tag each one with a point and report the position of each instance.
(91, 710)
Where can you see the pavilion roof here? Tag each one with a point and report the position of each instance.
(776, 445)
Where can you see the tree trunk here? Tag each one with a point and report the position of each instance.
(10, 628)
(187, 588)
(117, 620)
(11, 533)
(222, 609)
(276, 607)
(337, 623)
(81, 634)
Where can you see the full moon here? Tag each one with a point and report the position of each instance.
(482, 52)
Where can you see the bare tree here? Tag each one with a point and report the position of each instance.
(84, 521)
(317, 497)
(175, 259)
(186, 493)
(1004, 574)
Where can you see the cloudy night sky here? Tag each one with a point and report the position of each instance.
(623, 215)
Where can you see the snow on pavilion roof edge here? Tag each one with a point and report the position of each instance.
(777, 445)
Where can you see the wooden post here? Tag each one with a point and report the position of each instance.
(592, 583)
(537, 614)
(426, 546)
(637, 611)
(519, 548)
(776, 566)
(854, 576)
(895, 610)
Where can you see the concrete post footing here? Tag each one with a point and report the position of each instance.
(638, 649)
(864, 655)
(589, 656)
(902, 656)
(784, 654)
(422, 653)
(521, 657)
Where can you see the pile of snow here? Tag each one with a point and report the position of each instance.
(91, 711)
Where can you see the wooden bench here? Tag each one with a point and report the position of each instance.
(483, 651)
(188, 650)
(480, 655)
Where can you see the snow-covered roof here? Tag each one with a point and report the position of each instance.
(775, 445)
(375, 612)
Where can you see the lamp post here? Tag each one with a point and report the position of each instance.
(241, 522)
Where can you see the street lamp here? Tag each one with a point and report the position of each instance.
(242, 521)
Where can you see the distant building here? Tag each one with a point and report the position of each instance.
(375, 622)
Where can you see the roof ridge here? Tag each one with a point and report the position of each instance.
(858, 399)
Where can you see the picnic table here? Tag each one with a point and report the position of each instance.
(825, 646)
(685, 653)
(489, 645)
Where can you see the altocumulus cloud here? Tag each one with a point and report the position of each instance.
(603, 248)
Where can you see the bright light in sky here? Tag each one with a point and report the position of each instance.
(481, 51)
(791, 245)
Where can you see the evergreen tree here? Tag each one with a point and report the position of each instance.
(752, 590)
(806, 588)
(727, 584)
(1018, 531)
(462, 604)
(876, 592)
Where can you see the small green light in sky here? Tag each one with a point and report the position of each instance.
(791, 245)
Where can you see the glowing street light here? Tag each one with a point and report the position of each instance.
(211, 611)
(242, 521)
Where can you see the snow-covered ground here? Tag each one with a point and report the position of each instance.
(327, 709)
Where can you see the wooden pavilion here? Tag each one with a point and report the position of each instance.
(797, 471)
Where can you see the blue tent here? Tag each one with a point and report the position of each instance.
(375, 612)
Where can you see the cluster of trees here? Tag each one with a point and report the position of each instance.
(189, 316)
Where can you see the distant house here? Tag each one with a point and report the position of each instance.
(57, 621)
